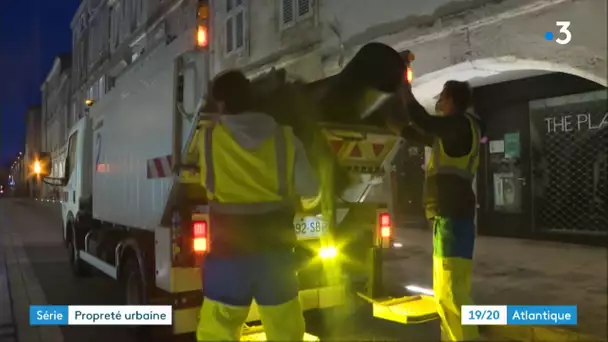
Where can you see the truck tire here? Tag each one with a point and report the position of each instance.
(79, 267)
(134, 291)
(133, 283)
(133, 286)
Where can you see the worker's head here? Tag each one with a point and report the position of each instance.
(232, 92)
(455, 98)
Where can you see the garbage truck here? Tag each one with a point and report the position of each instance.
(132, 203)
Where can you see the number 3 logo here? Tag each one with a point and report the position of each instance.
(564, 30)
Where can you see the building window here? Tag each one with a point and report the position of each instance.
(111, 83)
(124, 20)
(102, 87)
(93, 92)
(115, 15)
(74, 113)
(92, 41)
(112, 26)
(141, 12)
(293, 11)
(133, 16)
(81, 60)
(82, 24)
(236, 29)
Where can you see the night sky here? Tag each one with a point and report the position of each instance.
(32, 33)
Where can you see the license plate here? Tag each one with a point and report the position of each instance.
(309, 227)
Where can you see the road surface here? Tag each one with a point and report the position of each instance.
(39, 273)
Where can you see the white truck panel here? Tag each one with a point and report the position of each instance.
(132, 125)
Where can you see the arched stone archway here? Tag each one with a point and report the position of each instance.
(493, 70)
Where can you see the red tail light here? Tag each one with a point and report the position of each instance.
(385, 225)
(200, 242)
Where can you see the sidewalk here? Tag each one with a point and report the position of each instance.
(7, 324)
(24, 287)
(512, 271)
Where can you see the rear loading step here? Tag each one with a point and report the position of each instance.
(405, 310)
(257, 333)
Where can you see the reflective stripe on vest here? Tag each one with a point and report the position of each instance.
(280, 144)
(467, 171)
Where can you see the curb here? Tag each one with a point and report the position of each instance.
(8, 330)
(528, 333)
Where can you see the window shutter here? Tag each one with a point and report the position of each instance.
(303, 7)
(288, 11)
(229, 36)
(240, 29)
(133, 16)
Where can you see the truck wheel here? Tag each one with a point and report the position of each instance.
(133, 283)
(79, 267)
(134, 291)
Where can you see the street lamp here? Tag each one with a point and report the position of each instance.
(37, 167)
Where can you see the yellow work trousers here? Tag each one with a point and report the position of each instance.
(452, 266)
(222, 322)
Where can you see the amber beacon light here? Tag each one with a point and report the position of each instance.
(202, 32)
(408, 74)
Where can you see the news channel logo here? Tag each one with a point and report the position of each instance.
(564, 35)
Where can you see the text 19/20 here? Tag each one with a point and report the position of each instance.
(484, 315)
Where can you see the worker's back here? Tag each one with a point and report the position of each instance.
(253, 161)
(247, 166)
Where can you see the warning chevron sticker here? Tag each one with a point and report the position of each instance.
(378, 149)
(337, 145)
(356, 152)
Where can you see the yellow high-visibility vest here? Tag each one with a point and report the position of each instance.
(465, 166)
(242, 181)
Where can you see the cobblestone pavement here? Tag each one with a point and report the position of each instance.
(512, 271)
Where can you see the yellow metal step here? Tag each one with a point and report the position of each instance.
(257, 334)
(405, 310)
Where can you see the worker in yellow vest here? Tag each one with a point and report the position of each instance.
(252, 169)
(454, 137)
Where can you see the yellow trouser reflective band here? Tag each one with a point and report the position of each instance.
(452, 286)
(280, 144)
(221, 322)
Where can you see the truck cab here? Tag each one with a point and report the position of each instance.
(77, 181)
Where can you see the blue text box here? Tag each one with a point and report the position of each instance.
(48, 315)
(541, 315)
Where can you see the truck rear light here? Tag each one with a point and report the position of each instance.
(385, 225)
(200, 243)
